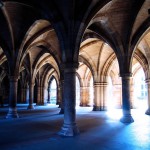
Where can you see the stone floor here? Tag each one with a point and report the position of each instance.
(36, 130)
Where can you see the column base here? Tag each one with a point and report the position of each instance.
(69, 130)
(12, 113)
(147, 111)
(30, 107)
(99, 108)
(61, 111)
(127, 119)
(84, 105)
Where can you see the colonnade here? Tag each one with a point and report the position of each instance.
(66, 95)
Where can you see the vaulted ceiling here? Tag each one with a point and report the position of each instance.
(35, 33)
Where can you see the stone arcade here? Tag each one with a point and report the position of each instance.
(65, 39)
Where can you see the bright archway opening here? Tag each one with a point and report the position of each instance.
(140, 90)
(77, 92)
(53, 91)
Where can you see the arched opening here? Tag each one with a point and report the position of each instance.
(53, 91)
(19, 92)
(140, 90)
(77, 91)
(5, 91)
(114, 90)
(35, 92)
(84, 86)
(111, 99)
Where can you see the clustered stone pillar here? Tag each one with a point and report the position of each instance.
(62, 99)
(126, 99)
(42, 95)
(58, 96)
(23, 94)
(45, 95)
(69, 127)
(38, 95)
(148, 90)
(84, 96)
(105, 94)
(13, 84)
(31, 96)
(48, 100)
(100, 96)
(97, 102)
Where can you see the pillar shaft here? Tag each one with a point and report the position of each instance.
(97, 97)
(31, 96)
(69, 127)
(61, 97)
(100, 96)
(126, 100)
(13, 84)
(48, 100)
(45, 95)
(42, 95)
(23, 95)
(148, 91)
(84, 96)
(58, 96)
(38, 95)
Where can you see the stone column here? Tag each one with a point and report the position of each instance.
(100, 96)
(25, 95)
(148, 91)
(22, 95)
(38, 95)
(48, 100)
(45, 95)
(97, 97)
(105, 96)
(69, 95)
(84, 96)
(13, 84)
(42, 95)
(31, 96)
(58, 98)
(61, 96)
(126, 99)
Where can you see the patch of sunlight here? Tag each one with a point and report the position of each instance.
(114, 114)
